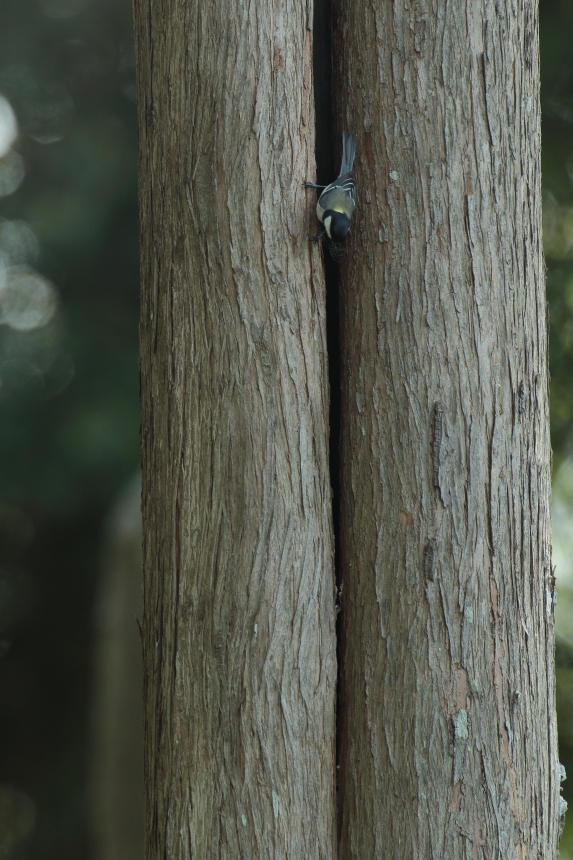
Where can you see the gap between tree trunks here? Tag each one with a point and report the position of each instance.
(326, 152)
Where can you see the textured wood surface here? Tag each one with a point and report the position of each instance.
(238, 630)
(447, 727)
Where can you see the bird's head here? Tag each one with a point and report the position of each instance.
(337, 224)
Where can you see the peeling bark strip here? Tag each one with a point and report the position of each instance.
(239, 617)
(429, 559)
(437, 432)
(447, 729)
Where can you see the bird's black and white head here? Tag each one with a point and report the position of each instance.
(336, 224)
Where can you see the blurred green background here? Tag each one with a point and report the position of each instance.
(69, 382)
(69, 426)
(557, 165)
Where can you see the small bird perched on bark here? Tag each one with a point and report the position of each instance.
(336, 203)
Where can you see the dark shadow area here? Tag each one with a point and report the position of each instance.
(328, 152)
(327, 158)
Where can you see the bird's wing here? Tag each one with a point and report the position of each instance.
(348, 182)
(345, 184)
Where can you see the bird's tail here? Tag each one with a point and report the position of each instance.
(348, 150)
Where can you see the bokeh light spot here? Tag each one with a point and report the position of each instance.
(27, 300)
(8, 126)
(18, 243)
(63, 8)
(12, 172)
(17, 818)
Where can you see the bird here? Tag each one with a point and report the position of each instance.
(337, 201)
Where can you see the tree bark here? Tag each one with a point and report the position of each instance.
(447, 724)
(238, 631)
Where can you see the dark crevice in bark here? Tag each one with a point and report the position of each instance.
(322, 73)
(328, 150)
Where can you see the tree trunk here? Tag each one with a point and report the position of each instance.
(238, 631)
(447, 727)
